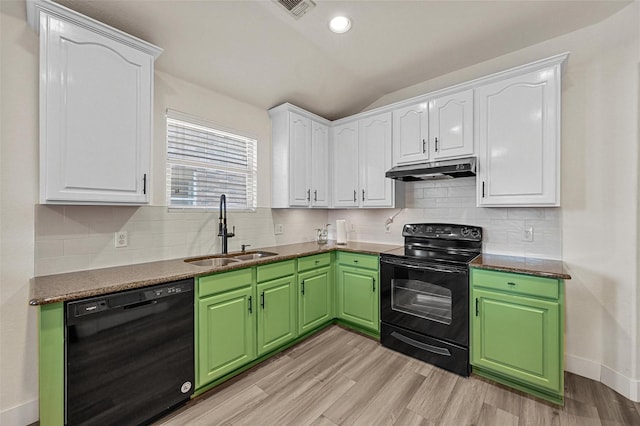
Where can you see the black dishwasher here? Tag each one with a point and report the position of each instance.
(129, 356)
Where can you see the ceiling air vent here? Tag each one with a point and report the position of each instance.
(296, 8)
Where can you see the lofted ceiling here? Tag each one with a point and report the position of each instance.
(255, 52)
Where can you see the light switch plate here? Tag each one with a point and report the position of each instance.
(528, 234)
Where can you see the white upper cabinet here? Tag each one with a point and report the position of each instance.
(411, 134)
(300, 174)
(96, 99)
(519, 139)
(319, 164)
(300, 151)
(375, 159)
(451, 125)
(345, 165)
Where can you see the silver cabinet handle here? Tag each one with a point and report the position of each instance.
(308, 195)
(363, 195)
(424, 146)
(315, 195)
(354, 195)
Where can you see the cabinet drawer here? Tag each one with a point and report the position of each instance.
(359, 260)
(218, 283)
(315, 261)
(272, 271)
(515, 283)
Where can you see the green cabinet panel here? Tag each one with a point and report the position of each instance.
(517, 325)
(518, 337)
(548, 288)
(226, 333)
(358, 260)
(272, 271)
(316, 298)
(219, 283)
(358, 300)
(276, 313)
(51, 363)
(313, 262)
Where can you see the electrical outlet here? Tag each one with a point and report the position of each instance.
(528, 234)
(352, 227)
(279, 229)
(122, 239)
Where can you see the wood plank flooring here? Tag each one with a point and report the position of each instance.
(338, 377)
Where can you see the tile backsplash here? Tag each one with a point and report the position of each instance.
(454, 201)
(72, 238)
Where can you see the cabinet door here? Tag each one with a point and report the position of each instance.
(358, 297)
(315, 299)
(375, 159)
(451, 125)
(96, 99)
(276, 313)
(300, 152)
(226, 333)
(319, 165)
(518, 140)
(345, 165)
(410, 134)
(517, 337)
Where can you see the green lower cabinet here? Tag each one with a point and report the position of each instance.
(316, 299)
(358, 300)
(516, 337)
(276, 313)
(226, 333)
(51, 363)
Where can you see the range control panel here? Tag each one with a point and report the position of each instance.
(443, 231)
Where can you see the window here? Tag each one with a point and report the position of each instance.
(204, 162)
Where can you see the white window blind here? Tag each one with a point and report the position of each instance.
(204, 163)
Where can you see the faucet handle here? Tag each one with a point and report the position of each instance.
(244, 247)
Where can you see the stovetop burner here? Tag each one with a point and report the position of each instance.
(437, 242)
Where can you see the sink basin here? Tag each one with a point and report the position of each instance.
(212, 261)
(226, 259)
(252, 255)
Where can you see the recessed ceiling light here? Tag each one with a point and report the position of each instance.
(340, 24)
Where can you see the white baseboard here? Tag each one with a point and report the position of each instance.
(20, 415)
(625, 386)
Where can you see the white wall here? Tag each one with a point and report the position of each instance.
(18, 194)
(600, 225)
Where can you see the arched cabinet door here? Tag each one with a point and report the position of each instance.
(451, 125)
(96, 98)
(519, 140)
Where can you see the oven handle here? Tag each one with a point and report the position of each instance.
(422, 266)
(420, 345)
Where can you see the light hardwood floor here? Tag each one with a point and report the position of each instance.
(338, 377)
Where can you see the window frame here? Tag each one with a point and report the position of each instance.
(251, 171)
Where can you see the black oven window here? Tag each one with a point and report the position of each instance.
(421, 299)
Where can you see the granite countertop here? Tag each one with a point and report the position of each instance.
(522, 265)
(81, 284)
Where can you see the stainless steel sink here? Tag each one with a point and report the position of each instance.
(212, 261)
(252, 255)
(226, 259)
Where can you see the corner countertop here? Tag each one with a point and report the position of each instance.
(78, 285)
(522, 265)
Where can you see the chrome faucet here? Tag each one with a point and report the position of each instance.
(222, 227)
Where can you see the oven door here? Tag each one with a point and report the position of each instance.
(431, 299)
